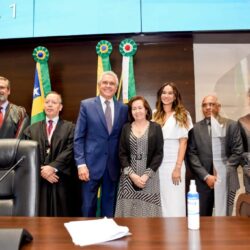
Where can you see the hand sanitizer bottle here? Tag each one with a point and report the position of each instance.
(193, 207)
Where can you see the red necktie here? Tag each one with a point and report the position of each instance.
(1, 117)
(50, 126)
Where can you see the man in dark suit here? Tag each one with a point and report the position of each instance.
(13, 118)
(244, 123)
(55, 138)
(97, 134)
(200, 156)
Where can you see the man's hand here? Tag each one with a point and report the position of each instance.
(49, 174)
(210, 180)
(53, 178)
(83, 173)
(46, 171)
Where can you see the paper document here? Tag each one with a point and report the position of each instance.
(90, 232)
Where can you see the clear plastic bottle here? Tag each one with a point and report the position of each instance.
(193, 207)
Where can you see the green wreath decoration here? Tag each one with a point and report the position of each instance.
(104, 48)
(128, 47)
(41, 54)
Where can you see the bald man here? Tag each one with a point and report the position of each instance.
(55, 138)
(214, 153)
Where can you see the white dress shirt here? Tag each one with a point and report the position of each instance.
(55, 120)
(112, 106)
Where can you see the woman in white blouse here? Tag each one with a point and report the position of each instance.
(175, 122)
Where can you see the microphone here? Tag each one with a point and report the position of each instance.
(13, 167)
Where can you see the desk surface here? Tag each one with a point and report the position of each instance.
(147, 233)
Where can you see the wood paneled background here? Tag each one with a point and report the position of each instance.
(73, 67)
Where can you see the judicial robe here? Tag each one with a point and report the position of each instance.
(55, 199)
(15, 121)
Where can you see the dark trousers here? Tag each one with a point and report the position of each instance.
(206, 201)
(108, 196)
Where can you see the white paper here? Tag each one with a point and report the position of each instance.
(90, 232)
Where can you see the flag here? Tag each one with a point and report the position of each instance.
(42, 84)
(103, 50)
(128, 49)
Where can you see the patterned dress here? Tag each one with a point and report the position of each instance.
(133, 201)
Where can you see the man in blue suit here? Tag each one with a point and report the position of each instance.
(96, 142)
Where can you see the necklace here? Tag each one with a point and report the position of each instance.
(139, 130)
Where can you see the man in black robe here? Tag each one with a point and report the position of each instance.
(55, 138)
(13, 118)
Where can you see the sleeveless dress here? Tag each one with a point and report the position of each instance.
(133, 201)
(173, 198)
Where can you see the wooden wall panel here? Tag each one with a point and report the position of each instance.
(73, 62)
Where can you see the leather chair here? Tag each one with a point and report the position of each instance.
(243, 205)
(19, 190)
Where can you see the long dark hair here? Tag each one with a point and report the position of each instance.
(177, 106)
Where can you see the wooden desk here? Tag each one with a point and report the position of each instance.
(147, 233)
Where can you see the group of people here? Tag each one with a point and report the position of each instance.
(136, 158)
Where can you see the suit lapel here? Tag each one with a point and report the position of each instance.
(205, 134)
(204, 128)
(116, 113)
(57, 128)
(100, 112)
(44, 139)
(6, 117)
(102, 116)
(57, 132)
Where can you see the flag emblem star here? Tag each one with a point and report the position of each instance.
(36, 92)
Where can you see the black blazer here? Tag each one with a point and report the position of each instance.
(155, 146)
(61, 147)
(200, 156)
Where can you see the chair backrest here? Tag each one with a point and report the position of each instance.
(19, 190)
(243, 205)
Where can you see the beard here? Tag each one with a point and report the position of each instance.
(3, 98)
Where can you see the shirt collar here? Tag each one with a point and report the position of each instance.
(55, 120)
(208, 121)
(4, 106)
(104, 99)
